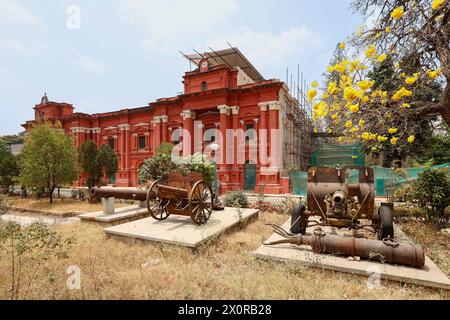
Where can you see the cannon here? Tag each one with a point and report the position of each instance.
(388, 250)
(180, 195)
(341, 203)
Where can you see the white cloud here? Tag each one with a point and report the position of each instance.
(171, 20)
(12, 12)
(12, 47)
(269, 49)
(90, 64)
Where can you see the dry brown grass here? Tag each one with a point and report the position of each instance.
(58, 206)
(225, 269)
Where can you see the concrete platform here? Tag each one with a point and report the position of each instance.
(121, 215)
(180, 230)
(430, 275)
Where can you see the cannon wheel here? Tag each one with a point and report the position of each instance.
(156, 207)
(386, 223)
(201, 202)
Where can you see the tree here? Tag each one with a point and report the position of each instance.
(359, 108)
(9, 170)
(418, 32)
(48, 159)
(97, 162)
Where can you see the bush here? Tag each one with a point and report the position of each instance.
(432, 192)
(197, 163)
(236, 199)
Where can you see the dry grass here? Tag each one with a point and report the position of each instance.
(225, 269)
(59, 205)
(436, 244)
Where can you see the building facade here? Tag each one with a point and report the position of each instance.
(226, 102)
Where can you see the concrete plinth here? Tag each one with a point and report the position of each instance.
(121, 215)
(430, 275)
(108, 205)
(180, 230)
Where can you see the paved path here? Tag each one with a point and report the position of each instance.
(29, 219)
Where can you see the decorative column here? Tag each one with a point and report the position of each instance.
(224, 113)
(165, 133)
(198, 137)
(127, 148)
(274, 121)
(157, 132)
(188, 131)
(235, 113)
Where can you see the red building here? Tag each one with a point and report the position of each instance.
(224, 94)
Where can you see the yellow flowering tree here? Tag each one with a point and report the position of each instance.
(356, 107)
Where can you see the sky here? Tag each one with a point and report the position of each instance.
(105, 55)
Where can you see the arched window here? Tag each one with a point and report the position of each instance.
(204, 86)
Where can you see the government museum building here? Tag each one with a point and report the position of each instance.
(224, 93)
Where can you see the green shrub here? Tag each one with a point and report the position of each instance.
(432, 192)
(236, 199)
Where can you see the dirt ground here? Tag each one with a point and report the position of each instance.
(224, 269)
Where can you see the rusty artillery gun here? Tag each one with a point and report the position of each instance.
(180, 195)
(334, 201)
(341, 204)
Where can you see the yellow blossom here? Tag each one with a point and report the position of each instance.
(411, 80)
(393, 130)
(370, 53)
(401, 93)
(331, 69)
(382, 138)
(398, 12)
(342, 45)
(340, 68)
(365, 84)
(433, 74)
(351, 94)
(388, 29)
(348, 124)
(382, 57)
(397, 66)
(365, 136)
(315, 84)
(365, 99)
(354, 108)
(373, 136)
(334, 116)
(332, 88)
(411, 139)
(312, 94)
(406, 105)
(394, 141)
(354, 129)
(437, 4)
(340, 139)
(361, 123)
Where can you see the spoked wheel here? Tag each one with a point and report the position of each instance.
(156, 206)
(201, 202)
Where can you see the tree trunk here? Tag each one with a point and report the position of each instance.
(51, 195)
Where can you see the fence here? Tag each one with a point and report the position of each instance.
(386, 180)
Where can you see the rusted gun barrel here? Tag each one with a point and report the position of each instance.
(125, 194)
(388, 250)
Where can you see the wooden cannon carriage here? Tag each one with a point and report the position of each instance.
(181, 195)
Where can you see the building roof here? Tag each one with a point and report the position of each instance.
(231, 57)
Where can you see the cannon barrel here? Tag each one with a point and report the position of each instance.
(339, 197)
(125, 194)
(403, 253)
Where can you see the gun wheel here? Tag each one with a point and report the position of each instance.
(201, 202)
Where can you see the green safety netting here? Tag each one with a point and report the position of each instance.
(329, 155)
(386, 179)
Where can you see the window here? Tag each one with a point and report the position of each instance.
(176, 137)
(204, 86)
(111, 143)
(250, 132)
(210, 135)
(142, 143)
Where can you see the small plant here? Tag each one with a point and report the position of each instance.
(432, 192)
(4, 205)
(403, 193)
(236, 199)
(28, 250)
